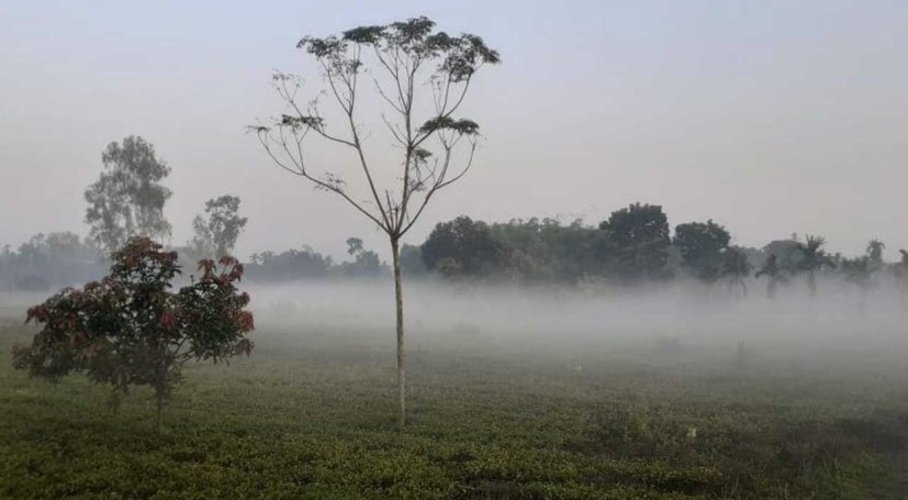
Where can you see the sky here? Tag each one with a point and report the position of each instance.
(770, 117)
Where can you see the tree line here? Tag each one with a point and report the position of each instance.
(635, 247)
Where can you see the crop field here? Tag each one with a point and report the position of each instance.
(311, 415)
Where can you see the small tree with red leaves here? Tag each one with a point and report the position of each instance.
(131, 329)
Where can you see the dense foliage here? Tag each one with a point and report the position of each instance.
(129, 329)
(633, 247)
(462, 246)
(638, 240)
(702, 247)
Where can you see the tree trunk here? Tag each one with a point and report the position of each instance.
(399, 303)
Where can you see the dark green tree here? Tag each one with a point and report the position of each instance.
(403, 61)
(464, 245)
(128, 198)
(638, 238)
(702, 246)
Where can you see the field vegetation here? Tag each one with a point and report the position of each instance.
(310, 415)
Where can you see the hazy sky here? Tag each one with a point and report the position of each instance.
(771, 117)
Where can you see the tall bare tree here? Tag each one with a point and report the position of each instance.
(403, 59)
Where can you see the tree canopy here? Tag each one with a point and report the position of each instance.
(129, 329)
(702, 245)
(638, 238)
(462, 244)
(217, 232)
(128, 198)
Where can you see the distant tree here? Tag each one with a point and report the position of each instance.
(548, 251)
(525, 251)
(202, 243)
(290, 265)
(402, 59)
(638, 238)
(467, 243)
(813, 258)
(702, 246)
(354, 246)
(58, 258)
(130, 329)
(128, 199)
(736, 268)
(217, 232)
(875, 254)
(775, 273)
(366, 263)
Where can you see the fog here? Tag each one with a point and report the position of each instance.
(662, 324)
(564, 319)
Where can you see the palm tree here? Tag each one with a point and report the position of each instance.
(875, 253)
(774, 272)
(736, 267)
(813, 259)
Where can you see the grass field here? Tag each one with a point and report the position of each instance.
(311, 415)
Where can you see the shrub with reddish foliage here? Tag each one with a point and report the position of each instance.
(131, 329)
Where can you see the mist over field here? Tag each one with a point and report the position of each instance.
(572, 325)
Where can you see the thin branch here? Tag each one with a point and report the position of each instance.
(441, 183)
(301, 172)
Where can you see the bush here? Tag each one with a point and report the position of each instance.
(130, 329)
